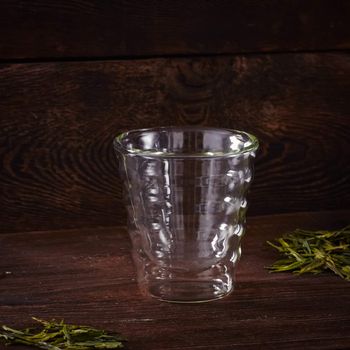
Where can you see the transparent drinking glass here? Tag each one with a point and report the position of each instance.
(185, 193)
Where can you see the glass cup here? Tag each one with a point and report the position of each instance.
(185, 193)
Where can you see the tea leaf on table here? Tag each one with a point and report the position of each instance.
(60, 336)
(314, 252)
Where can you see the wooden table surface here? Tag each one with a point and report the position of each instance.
(87, 277)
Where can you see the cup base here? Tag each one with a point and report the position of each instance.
(188, 291)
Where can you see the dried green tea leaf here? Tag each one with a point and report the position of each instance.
(60, 336)
(314, 252)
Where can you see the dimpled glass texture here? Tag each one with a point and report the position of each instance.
(185, 193)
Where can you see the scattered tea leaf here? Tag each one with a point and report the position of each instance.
(60, 336)
(314, 252)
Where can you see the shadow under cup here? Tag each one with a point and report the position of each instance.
(185, 193)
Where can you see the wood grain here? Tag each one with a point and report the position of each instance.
(58, 121)
(43, 29)
(87, 277)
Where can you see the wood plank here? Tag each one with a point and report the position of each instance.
(52, 29)
(86, 277)
(58, 121)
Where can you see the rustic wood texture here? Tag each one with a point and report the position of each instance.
(58, 121)
(87, 277)
(45, 29)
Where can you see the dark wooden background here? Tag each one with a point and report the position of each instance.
(75, 73)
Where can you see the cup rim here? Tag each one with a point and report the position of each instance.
(252, 143)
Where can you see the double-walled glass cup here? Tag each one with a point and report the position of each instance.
(185, 193)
